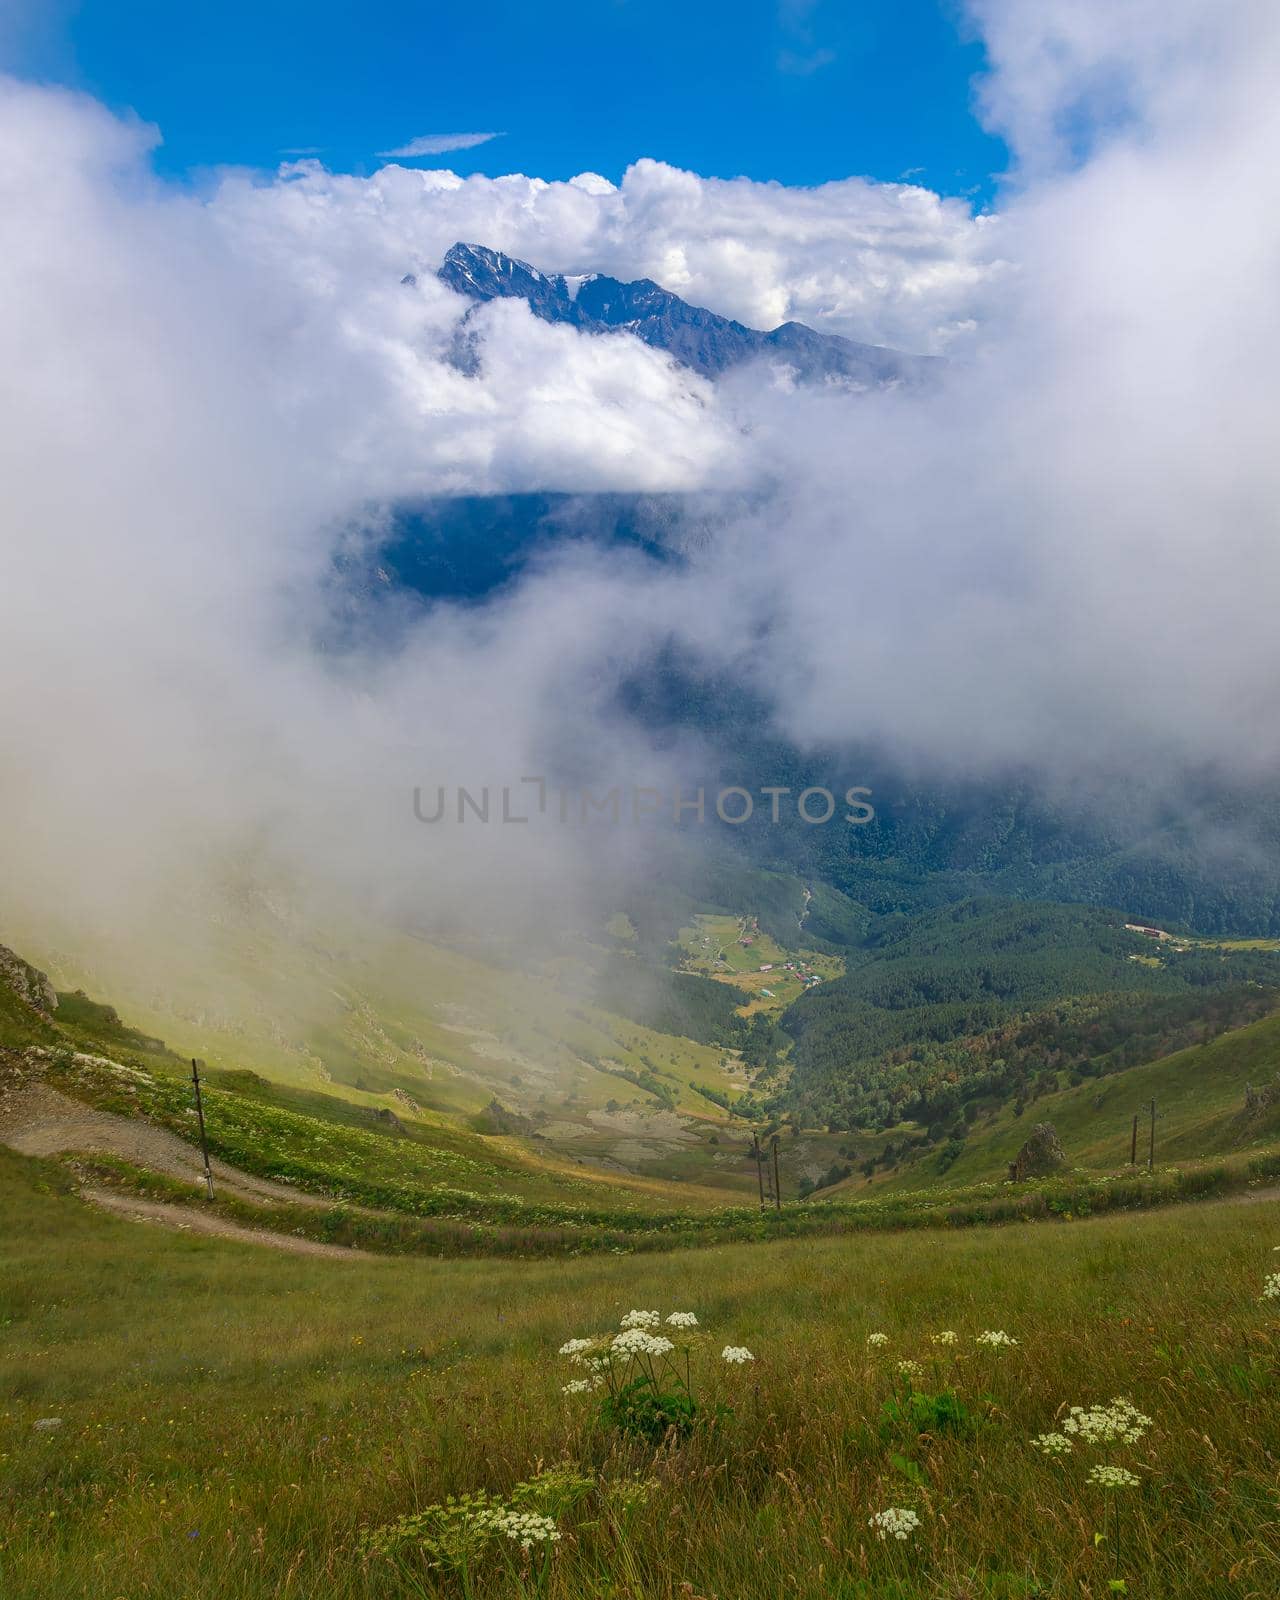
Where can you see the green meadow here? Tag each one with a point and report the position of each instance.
(197, 1418)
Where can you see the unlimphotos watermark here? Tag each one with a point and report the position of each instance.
(631, 804)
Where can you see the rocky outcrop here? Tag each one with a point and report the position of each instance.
(1040, 1156)
(30, 985)
(1257, 1102)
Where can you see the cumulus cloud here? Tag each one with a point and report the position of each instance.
(194, 424)
(1065, 553)
(438, 144)
(886, 263)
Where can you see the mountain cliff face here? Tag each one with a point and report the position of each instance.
(708, 343)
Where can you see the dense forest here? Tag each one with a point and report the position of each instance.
(989, 1000)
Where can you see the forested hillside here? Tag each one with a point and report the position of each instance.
(969, 1004)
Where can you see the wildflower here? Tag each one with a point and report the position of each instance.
(526, 1528)
(897, 1522)
(947, 1336)
(996, 1339)
(910, 1369)
(1271, 1288)
(1118, 1423)
(575, 1347)
(736, 1354)
(581, 1385)
(1113, 1478)
(638, 1342)
(1053, 1444)
(682, 1319)
(640, 1319)
(877, 1338)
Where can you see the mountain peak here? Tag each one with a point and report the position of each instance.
(700, 339)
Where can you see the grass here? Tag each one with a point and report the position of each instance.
(367, 1015)
(231, 1419)
(424, 1169)
(710, 946)
(445, 1192)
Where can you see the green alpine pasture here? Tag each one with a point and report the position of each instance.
(185, 1416)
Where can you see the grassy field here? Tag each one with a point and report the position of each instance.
(228, 1421)
(711, 946)
(373, 1017)
(431, 1036)
(440, 1191)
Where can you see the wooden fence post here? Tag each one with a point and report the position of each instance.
(204, 1144)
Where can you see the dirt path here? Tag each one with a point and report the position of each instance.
(187, 1219)
(1253, 1197)
(39, 1121)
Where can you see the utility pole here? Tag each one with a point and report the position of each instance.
(1133, 1143)
(759, 1155)
(204, 1144)
(1151, 1149)
(777, 1187)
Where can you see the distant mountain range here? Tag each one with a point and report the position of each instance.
(710, 344)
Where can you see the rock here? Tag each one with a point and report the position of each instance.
(1257, 1102)
(30, 985)
(1041, 1155)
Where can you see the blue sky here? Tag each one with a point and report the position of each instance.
(795, 90)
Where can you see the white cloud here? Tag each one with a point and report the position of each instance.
(886, 263)
(1067, 554)
(438, 144)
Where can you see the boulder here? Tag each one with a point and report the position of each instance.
(1257, 1102)
(1040, 1156)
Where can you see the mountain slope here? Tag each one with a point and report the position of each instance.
(1200, 1098)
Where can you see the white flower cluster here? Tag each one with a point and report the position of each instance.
(1118, 1423)
(575, 1347)
(910, 1369)
(877, 1339)
(527, 1528)
(636, 1341)
(1053, 1444)
(1271, 1288)
(897, 1522)
(1113, 1478)
(682, 1319)
(581, 1385)
(736, 1354)
(640, 1319)
(947, 1336)
(996, 1339)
